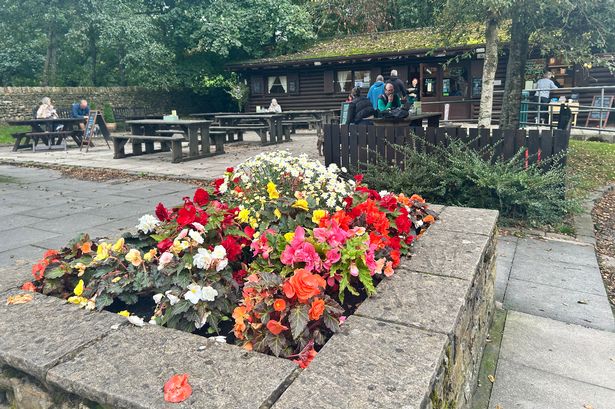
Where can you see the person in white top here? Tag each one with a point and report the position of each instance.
(46, 110)
(545, 85)
(274, 106)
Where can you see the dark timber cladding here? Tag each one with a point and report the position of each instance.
(305, 81)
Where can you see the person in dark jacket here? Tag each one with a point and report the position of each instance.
(389, 100)
(360, 109)
(400, 87)
(80, 110)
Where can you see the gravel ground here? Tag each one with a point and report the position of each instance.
(604, 220)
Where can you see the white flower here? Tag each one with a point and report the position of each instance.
(147, 223)
(173, 299)
(152, 321)
(198, 226)
(194, 293)
(202, 259)
(165, 259)
(199, 323)
(219, 252)
(135, 320)
(196, 236)
(219, 338)
(158, 297)
(222, 265)
(223, 187)
(208, 293)
(383, 193)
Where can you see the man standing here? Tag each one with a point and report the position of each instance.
(545, 85)
(376, 90)
(80, 110)
(399, 86)
(389, 100)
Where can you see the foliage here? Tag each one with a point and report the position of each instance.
(7, 130)
(275, 245)
(108, 115)
(592, 164)
(458, 175)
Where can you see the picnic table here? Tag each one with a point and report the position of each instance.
(433, 120)
(262, 123)
(46, 130)
(169, 132)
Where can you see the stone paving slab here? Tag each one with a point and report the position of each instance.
(518, 386)
(559, 304)
(536, 251)
(14, 276)
(467, 220)
(73, 222)
(121, 211)
(582, 278)
(128, 369)
(571, 351)
(421, 300)
(448, 253)
(502, 274)
(15, 238)
(18, 220)
(36, 336)
(369, 364)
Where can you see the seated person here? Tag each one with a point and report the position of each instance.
(80, 110)
(46, 110)
(413, 91)
(389, 100)
(274, 106)
(360, 109)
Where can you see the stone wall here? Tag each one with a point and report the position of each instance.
(416, 344)
(17, 102)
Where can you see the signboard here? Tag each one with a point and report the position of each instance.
(344, 113)
(595, 115)
(89, 130)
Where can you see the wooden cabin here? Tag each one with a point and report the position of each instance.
(322, 76)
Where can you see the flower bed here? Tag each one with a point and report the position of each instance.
(275, 255)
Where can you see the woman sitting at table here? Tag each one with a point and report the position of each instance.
(274, 107)
(46, 110)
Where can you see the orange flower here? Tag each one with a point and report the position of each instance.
(288, 289)
(276, 327)
(86, 247)
(29, 286)
(318, 308)
(279, 305)
(306, 285)
(38, 271)
(428, 219)
(50, 253)
(240, 313)
(403, 199)
(417, 198)
(248, 346)
(177, 389)
(238, 329)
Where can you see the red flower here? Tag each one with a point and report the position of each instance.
(358, 178)
(276, 327)
(306, 285)
(202, 218)
(403, 222)
(289, 290)
(50, 253)
(186, 215)
(164, 245)
(389, 202)
(348, 202)
(239, 275)
(230, 170)
(395, 256)
(38, 271)
(306, 355)
(249, 231)
(317, 309)
(177, 389)
(201, 197)
(233, 249)
(29, 286)
(162, 213)
(217, 183)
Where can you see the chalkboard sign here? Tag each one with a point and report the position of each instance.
(595, 115)
(344, 113)
(89, 130)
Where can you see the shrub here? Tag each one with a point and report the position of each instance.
(459, 175)
(108, 113)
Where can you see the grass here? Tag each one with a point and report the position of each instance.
(6, 131)
(592, 164)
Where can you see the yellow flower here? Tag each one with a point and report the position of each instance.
(79, 288)
(149, 256)
(244, 215)
(81, 267)
(124, 313)
(118, 246)
(134, 256)
(317, 215)
(289, 236)
(253, 223)
(77, 300)
(277, 213)
(116, 279)
(102, 252)
(301, 204)
(272, 190)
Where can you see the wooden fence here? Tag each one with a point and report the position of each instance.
(354, 146)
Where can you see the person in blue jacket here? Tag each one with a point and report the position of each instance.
(80, 110)
(376, 90)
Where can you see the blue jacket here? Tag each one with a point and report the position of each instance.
(77, 112)
(374, 92)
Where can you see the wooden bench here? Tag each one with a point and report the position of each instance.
(231, 130)
(175, 142)
(33, 138)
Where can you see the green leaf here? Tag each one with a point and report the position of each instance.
(129, 299)
(276, 343)
(298, 318)
(181, 307)
(54, 273)
(367, 281)
(103, 300)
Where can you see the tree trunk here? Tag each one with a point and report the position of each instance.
(489, 68)
(515, 71)
(51, 59)
(93, 55)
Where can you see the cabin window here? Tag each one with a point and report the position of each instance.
(362, 79)
(277, 84)
(455, 81)
(256, 83)
(344, 81)
(430, 78)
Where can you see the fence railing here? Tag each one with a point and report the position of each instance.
(354, 146)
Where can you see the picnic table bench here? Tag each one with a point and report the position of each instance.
(267, 123)
(174, 141)
(46, 130)
(234, 133)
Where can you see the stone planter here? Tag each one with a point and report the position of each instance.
(416, 344)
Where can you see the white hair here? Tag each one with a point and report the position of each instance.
(46, 101)
(379, 78)
(393, 73)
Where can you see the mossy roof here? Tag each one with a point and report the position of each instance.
(386, 42)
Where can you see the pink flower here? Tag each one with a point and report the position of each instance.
(261, 245)
(333, 235)
(333, 256)
(165, 259)
(354, 270)
(300, 251)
